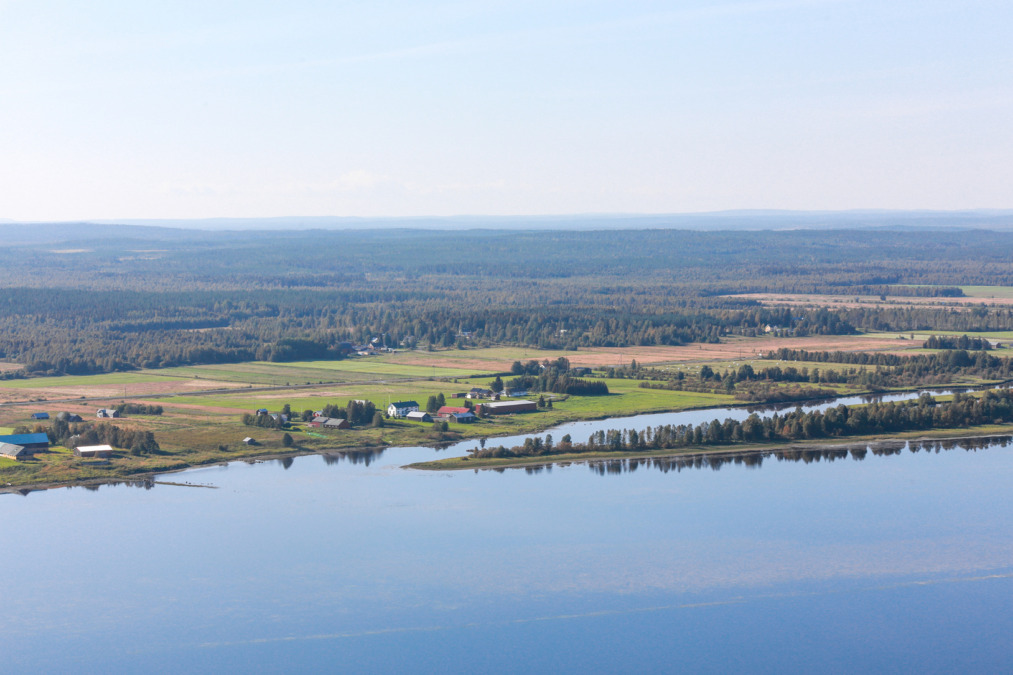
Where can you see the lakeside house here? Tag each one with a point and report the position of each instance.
(462, 418)
(336, 423)
(402, 408)
(93, 450)
(15, 452)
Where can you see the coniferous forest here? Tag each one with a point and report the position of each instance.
(98, 299)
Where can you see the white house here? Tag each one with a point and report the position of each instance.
(402, 408)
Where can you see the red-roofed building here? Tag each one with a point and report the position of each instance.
(447, 411)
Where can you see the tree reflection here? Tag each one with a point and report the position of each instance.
(754, 460)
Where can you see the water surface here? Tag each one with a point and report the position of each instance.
(889, 562)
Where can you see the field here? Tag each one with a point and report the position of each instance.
(974, 296)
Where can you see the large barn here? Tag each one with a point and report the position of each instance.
(505, 407)
(30, 442)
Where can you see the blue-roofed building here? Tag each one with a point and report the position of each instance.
(27, 441)
(40, 416)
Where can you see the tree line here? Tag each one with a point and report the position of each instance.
(922, 414)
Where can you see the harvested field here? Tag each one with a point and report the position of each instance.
(732, 348)
(161, 386)
(851, 301)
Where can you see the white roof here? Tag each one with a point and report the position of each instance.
(507, 404)
(94, 448)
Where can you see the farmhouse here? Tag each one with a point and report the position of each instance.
(317, 421)
(462, 418)
(40, 416)
(446, 411)
(30, 442)
(93, 450)
(11, 451)
(402, 408)
(478, 392)
(249, 441)
(107, 412)
(336, 423)
(68, 417)
(505, 407)
(419, 416)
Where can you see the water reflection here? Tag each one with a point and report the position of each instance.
(754, 460)
(145, 484)
(363, 457)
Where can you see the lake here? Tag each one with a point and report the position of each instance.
(896, 561)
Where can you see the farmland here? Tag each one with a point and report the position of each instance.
(203, 405)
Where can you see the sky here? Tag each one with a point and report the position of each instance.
(220, 108)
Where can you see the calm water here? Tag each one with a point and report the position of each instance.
(895, 562)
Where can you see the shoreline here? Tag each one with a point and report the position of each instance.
(451, 464)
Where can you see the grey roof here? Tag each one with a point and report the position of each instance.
(12, 450)
(405, 404)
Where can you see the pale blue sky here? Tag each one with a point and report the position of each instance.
(183, 109)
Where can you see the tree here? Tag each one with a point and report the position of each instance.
(497, 384)
(287, 441)
(432, 405)
(378, 419)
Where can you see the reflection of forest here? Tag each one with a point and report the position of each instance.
(754, 460)
(364, 457)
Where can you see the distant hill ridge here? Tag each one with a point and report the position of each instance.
(91, 231)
